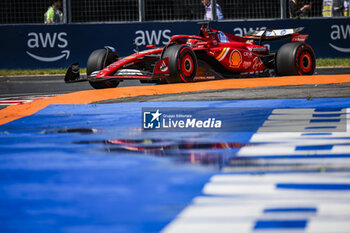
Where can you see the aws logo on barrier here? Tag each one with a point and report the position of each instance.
(152, 37)
(340, 32)
(47, 41)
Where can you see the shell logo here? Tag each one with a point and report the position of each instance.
(235, 58)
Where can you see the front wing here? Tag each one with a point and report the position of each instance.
(160, 71)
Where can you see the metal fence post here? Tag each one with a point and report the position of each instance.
(65, 14)
(213, 9)
(141, 10)
(283, 9)
(69, 11)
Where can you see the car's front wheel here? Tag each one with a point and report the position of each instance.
(182, 63)
(98, 60)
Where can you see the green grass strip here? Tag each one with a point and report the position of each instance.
(25, 72)
(332, 62)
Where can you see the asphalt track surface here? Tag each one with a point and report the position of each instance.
(51, 85)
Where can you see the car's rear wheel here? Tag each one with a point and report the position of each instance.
(98, 60)
(182, 64)
(295, 59)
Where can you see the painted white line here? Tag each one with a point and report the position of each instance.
(328, 226)
(273, 178)
(209, 226)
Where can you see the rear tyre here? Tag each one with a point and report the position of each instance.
(295, 59)
(182, 64)
(97, 61)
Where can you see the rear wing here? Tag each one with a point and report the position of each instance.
(276, 34)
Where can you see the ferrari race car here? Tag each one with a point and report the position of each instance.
(211, 55)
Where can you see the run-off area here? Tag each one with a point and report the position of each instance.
(88, 168)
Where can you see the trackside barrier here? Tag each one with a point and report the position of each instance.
(57, 46)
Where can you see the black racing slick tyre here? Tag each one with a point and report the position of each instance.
(97, 61)
(182, 64)
(295, 59)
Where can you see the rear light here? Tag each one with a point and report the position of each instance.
(151, 46)
(299, 38)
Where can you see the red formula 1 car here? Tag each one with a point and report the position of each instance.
(212, 54)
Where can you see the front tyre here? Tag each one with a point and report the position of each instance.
(295, 59)
(96, 62)
(182, 64)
